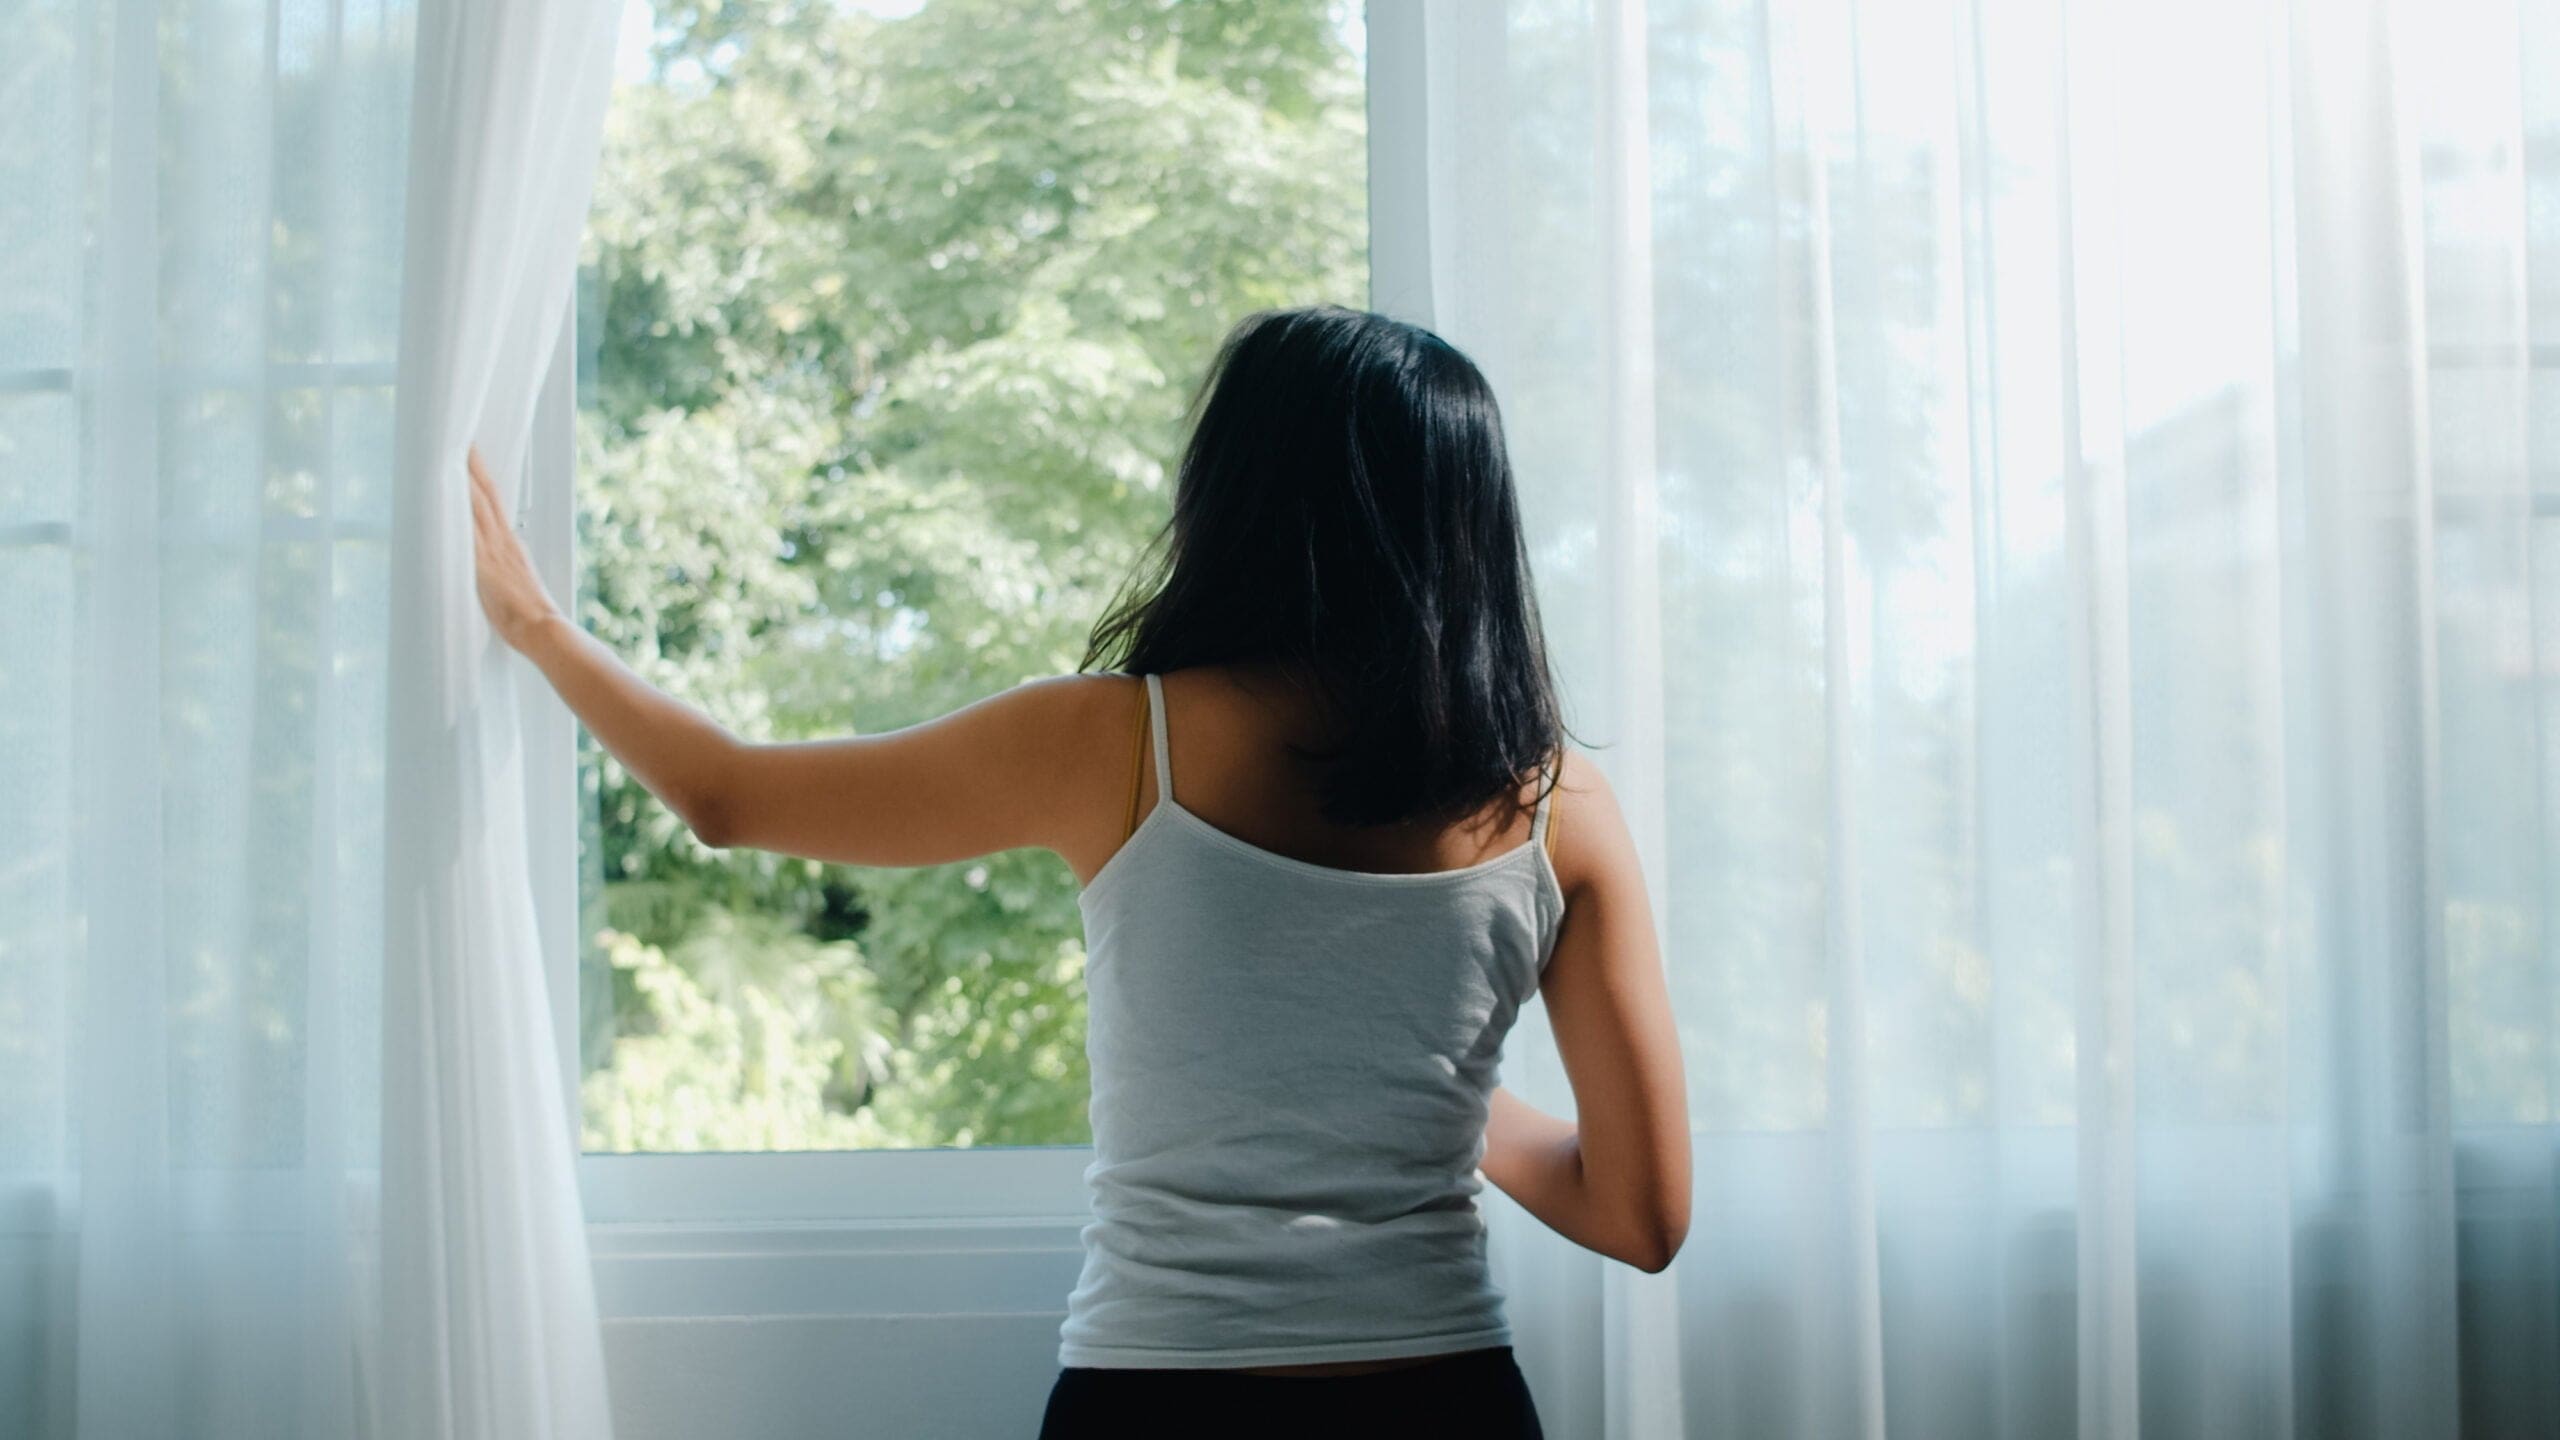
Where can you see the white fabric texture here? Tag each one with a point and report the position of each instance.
(2043, 507)
(255, 751)
(489, 1312)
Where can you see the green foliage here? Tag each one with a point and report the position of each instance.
(895, 325)
(754, 1064)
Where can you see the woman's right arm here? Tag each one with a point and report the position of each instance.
(1616, 1178)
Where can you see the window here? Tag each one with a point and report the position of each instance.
(890, 314)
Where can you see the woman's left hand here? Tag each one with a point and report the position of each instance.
(510, 592)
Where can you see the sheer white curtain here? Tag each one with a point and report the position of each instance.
(239, 662)
(489, 1314)
(2047, 508)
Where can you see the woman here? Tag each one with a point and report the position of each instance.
(1330, 842)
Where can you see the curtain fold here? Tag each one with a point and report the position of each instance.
(248, 715)
(2046, 501)
(489, 1311)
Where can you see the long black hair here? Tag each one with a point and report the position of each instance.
(1344, 508)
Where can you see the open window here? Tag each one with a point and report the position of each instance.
(888, 323)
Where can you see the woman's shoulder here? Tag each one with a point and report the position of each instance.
(1076, 687)
(1065, 705)
(1589, 829)
(1066, 720)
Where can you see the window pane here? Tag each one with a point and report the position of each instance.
(892, 310)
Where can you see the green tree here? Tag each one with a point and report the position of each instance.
(895, 322)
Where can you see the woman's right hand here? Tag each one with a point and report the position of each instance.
(511, 594)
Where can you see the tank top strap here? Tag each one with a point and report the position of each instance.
(1155, 723)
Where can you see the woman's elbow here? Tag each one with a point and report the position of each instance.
(712, 821)
(1653, 1238)
(1659, 1246)
(706, 798)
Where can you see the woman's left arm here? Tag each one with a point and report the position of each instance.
(1016, 769)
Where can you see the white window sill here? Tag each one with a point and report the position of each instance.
(849, 1187)
(918, 1233)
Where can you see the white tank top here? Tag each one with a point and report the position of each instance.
(1291, 1068)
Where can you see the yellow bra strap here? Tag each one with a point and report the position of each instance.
(1137, 765)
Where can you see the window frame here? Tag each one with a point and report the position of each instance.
(895, 1189)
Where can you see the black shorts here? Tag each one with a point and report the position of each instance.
(1477, 1395)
